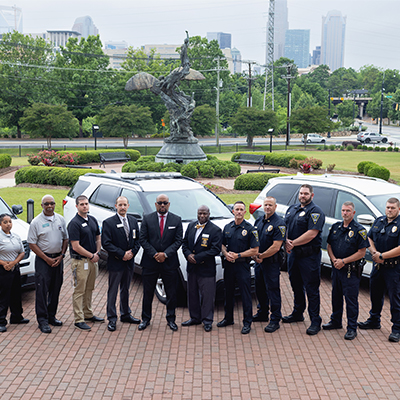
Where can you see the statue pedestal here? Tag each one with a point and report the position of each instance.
(183, 150)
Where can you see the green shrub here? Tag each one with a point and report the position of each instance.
(295, 163)
(332, 147)
(349, 147)
(234, 168)
(160, 135)
(341, 148)
(314, 162)
(145, 159)
(390, 148)
(377, 148)
(378, 171)
(172, 167)
(190, 170)
(396, 149)
(210, 157)
(221, 170)
(206, 171)
(361, 165)
(364, 147)
(319, 148)
(368, 166)
(370, 148)
(277, 159)
(92, 156)
(383, 148)
(256, 181)
(5, 160)
(51, 175)
(359, 147)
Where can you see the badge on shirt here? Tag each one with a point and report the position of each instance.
(363, 234)
(394, 229)
(269, 229)
(302, 214)
(204, 241)
(244, 232)
(283, 230)
(45, 225)
(120, 225)
(351, 234)
(171, 227)
(59, 227)
(84, 224)
(134, 233)
(315, 217)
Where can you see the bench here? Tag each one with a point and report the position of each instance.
(251, 159)
(111, 157)
(78, 166)
(272, 170)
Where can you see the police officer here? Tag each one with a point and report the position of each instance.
(271, 234)
(384, 240)
(304, 223)
(239, 243)
(347, 244)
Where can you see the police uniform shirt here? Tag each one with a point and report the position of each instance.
(270, 230)
(48, 233)
(239, 238)
(85, 232)
(347, 241)
(10, 246)
(386, 236)
(302, 219)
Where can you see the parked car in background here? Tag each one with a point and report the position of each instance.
(369, 196)
(141, 189)
(314, 138)
(20, 227)
(371, 137)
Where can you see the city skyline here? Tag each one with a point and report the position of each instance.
(371, 36)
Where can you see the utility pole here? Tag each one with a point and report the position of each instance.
(217, 107)
(250, 63)
(329, 110)
(288, 77)
(381, 114)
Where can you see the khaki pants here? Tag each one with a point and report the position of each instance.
(83, 281)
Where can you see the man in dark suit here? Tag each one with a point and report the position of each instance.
(202, 242)
(160, 236)
(120, 238)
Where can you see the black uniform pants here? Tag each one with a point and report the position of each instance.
(238, 272)
(149, 279)
(305, 278)
(10, 295)
(342, 285)
(48, 282)
(383, 279)
(261, 292)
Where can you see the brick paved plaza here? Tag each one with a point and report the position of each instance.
(192, 364)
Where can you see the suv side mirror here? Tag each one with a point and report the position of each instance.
(365, 219)
(17, 209)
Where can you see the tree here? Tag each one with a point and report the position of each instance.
(311, 120)
(343, 81)
(125, 121)
(345, 112)
(203, 120)
(320, 75)
(24, 76)
(251, 122)
(84, 78)
(49, 121)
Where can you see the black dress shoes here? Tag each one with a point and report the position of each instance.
(368, 324)
(94, 319)
(350, 334)
(292, 318)
(191, 322)
(55, 322)
(83, 326)
(3, 328)
(272, 327)
(313, 329)
(173, 326)
(207, 327)
(130, 320)
(260, 318)
(224, 322)
(394, 337)
(112, 326)
(246, 329)
(143, 325)
(331, 325)
(45, 328)
(20, 321)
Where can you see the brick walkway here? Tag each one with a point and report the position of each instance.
(193, 364)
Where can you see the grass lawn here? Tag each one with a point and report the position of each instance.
(19, 195)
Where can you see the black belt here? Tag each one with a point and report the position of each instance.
(53, 255)
(391, 262)
(77, 257)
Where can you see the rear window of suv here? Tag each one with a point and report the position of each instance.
(78, 189)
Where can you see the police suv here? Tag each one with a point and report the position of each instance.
(369, 196)
(141, 189)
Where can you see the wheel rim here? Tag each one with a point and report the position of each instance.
(160, 288)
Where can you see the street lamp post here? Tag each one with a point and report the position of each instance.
(95, 129)
(381, 114)
(270, 131)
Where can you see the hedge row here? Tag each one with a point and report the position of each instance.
(52, 175)
(256, 181)
(92, 156)
(5, 160)
(277, 159)
(206, 169)
(374, 170)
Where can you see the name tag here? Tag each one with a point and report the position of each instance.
(120, 225)
(206, 235)
(134, 233)
(45, 225)
(171, 227)
(85, 266)
(84, 224)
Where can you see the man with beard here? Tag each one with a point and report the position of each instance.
(160, 236)
(48, 239)
(304, 223)
(384, 240)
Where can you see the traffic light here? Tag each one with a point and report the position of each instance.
(162, 122)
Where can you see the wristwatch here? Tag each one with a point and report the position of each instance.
(239, 255)
(380, 256)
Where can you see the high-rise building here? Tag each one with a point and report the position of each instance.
(224, 39)
(111, 44)
(10, 19)
(297, 46)
(281, 25)
(85, 26)
(237, 61)
(316, 56)
(332, 44)
(60, 37)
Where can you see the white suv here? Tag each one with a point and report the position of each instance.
(371, 137)
(369, 196)
(141, 189)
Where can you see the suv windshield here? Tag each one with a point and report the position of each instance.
(186, 202)
(379, 201)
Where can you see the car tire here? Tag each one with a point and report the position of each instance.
(368, 140)
(323, 141)
(384, 140)
(308, 141)
(181, 292)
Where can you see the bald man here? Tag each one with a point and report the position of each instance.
(48, 239)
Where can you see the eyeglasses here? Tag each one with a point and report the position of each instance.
(49, 203)
(160, 203)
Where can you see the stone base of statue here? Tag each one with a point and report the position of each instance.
(182, 150)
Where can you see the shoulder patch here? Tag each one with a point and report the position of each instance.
(283, 230)
(255, 233)
(315, 217)
(363, 234)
